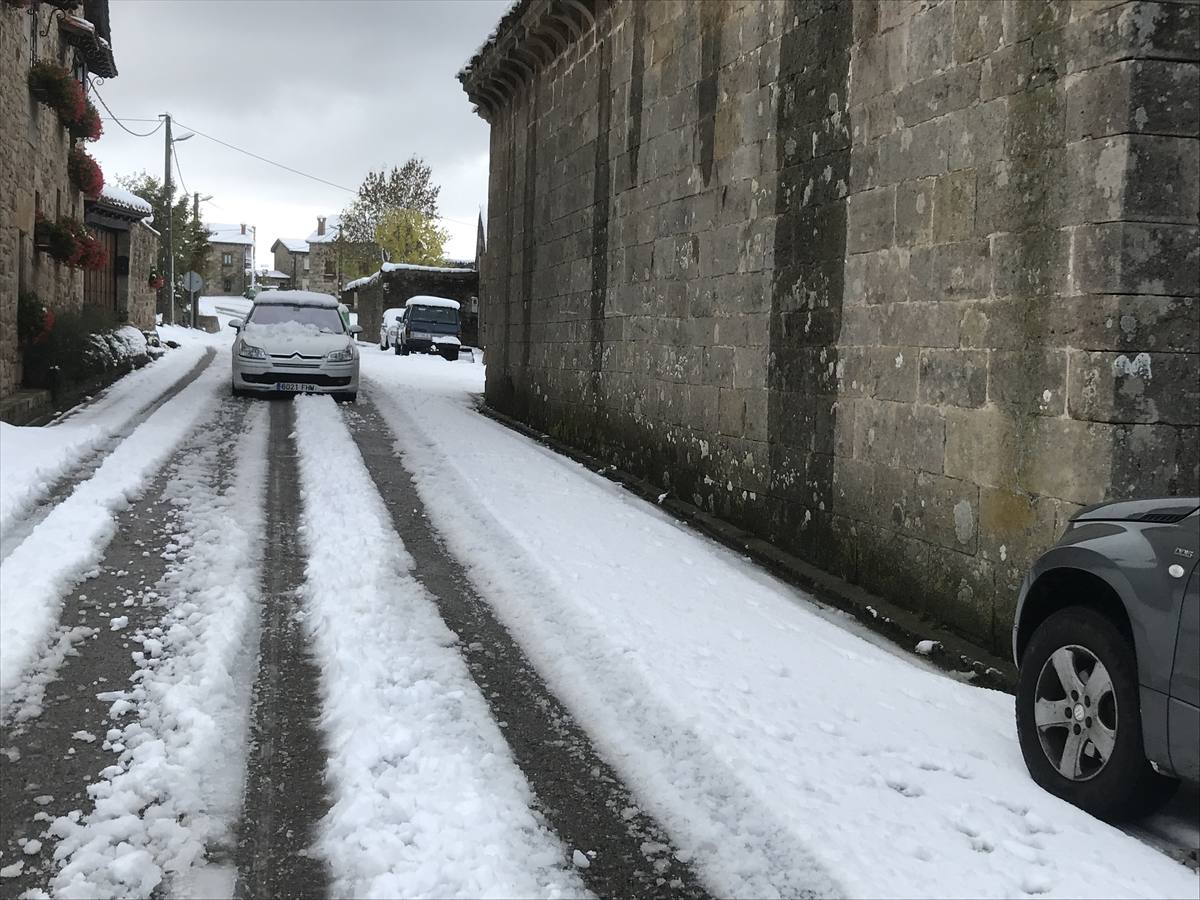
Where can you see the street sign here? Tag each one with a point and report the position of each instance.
(193, 282)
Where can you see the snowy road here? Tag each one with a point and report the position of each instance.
(393, 649)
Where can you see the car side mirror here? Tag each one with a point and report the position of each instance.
(356, 329)
(236, 324)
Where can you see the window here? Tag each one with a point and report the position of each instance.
(330, 268)
(228, 283)
(306, 267)
(325, 318)
(227, 260)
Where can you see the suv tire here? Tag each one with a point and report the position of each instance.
(1124, 786)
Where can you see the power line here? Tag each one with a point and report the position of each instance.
(113, 117)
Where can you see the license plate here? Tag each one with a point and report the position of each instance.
(292, 386)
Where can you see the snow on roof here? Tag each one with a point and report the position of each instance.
(297, 298)
(333, 227)
(393, 267)
(360, 282)
(126, 199)
(221, 233)
(272, 273)
(292, 245)
(425, 300)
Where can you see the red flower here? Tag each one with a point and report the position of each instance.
(85, 172)
(86, 126)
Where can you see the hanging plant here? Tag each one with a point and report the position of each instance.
(156, 281)
(53, 86)
(35, 320)
(87, 125)
(85, 172)
(55, 238)
(89, 253)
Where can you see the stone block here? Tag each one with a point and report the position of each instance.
(953, 207)
(1006, 71)
(1014, 529)
(1162, 178)
(1027, 382)
(1142, 30)
(917, 152)
(982, 446)
(1020, 194)
(1067, 459)
(994, 324)
(1134, 96)
(919, 323)
(1125, 322)
(938, 95)
(1036, 120)
(899, 434)
(930, 42)
(1029, 263)
(1136, 258)
(1135, 387)
(1025, 18)
(961, 271)
(870, 220)
(932, 508)
(977, 134)
(978, 30)
(954, 377)
(914, 211)
(1152, 459)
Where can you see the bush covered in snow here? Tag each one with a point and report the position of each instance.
(80, 348)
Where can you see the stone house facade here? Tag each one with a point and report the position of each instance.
(230, 260)
(324, 260)
(291, 258)
(33, 161)
(123, 285)
(898, 286)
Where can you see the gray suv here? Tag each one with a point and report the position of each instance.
(1106, 639)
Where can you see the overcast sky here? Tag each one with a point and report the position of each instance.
(333, 88)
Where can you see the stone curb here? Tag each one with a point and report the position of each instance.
(904, 628)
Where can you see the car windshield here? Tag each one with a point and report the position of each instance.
(440, 315)
(325, 318)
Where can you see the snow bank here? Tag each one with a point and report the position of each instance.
(176, 788)
(773, 743)
(427, 801)
(32, 458)
(73, 536)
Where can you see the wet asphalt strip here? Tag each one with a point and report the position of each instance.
(285, 791)
(580, 795)
(17, 531)
(48, 761)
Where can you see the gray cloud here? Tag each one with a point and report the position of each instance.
(330, 87)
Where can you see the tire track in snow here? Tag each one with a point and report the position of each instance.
(19, 527)
(427, 800)
(285, 794)
(56, 745)
(579, 793)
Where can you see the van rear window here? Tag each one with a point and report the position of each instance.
(441, 315)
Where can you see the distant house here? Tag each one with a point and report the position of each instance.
(291, 258)
(272, 278)
(395, 283)
(231, 260)
(325, 264)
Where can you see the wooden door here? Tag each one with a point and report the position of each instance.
(100, 285)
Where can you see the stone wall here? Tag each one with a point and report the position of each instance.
(291, 264)
(320, 257)
(143, 259)
(33, 178)
(897, 285)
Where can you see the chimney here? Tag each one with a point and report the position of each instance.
(243, 228)
(320, 224)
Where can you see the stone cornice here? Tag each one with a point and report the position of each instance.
(531, 36)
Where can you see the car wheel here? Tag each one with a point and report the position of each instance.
(346, 397)
(383, 345)
(1079, 717)
(449, 354)
(238, 392)
(403, 348)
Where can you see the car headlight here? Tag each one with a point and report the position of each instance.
(340, 355)
(246, 351)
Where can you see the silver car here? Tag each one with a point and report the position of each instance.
(1107, 640)
(295, 342)
(389, 327)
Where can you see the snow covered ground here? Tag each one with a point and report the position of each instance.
(783, 750)
(32, 458)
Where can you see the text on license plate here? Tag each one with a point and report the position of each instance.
(293, 386)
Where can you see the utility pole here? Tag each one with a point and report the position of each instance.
(195, 218)
(170, 248)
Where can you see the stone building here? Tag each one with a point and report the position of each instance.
(324, 258)
(291, 258)
(395, 283)
(33, 158)
(896, 285)
(230, 263)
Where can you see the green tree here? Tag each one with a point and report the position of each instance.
(408, 187)
(411, 237)
(189, 238)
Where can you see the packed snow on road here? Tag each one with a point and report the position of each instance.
(783, 750)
